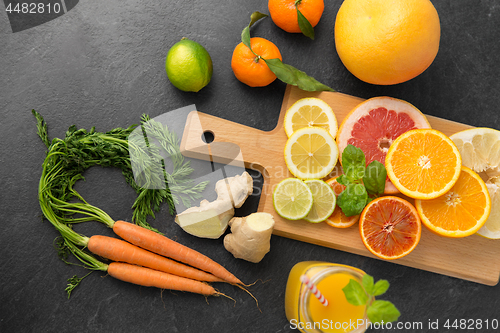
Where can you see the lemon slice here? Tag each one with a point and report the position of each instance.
(311, 153)
(292, 199)
(308, 112)
(324, 201)
(480, 151)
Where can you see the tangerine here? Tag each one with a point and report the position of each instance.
(387, 42)
(284, 13)
(249, 67)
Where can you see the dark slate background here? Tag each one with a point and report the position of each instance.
(102, 64)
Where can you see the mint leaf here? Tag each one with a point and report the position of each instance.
(353, 163)
(374, 178)
(353, 199)
(343, 180)
(354, 293)
(384, 311)
(368, 283)
(380, 287)
(304, 25)
(291, 75)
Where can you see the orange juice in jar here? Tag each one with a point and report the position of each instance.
(307, 312)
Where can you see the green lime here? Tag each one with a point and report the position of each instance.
(188, 65)
(292, 199)
(324, 201)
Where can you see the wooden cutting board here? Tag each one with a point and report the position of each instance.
(472, 258)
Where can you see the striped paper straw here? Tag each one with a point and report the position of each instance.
(314, 290)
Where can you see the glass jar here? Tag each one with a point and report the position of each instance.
(307, 314)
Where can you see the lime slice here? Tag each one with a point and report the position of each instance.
(310, 111)
(292, 199)
(311, 153)
(324, 201)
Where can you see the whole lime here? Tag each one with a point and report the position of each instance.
(188, 65)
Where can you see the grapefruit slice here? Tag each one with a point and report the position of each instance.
(390, 227)
(374, 124)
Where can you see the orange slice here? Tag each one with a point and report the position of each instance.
(460, 212)
(480, 151)
(390, 227)
(338, 219)
(423, 163)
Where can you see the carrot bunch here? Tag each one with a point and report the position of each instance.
(142, 256)
(138, 265)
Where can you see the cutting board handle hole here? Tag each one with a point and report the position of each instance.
(208, 136)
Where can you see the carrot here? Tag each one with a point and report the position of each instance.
(119, 250)
(151, 278)
(164, 246)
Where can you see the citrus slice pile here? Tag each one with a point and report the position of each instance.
(480, 151)
(292, 199)
(423, 163)
(308, 112)
(338, 219)
(390, 227)
(311, 153)
(374, 124)
(324, 200)
(461, 211)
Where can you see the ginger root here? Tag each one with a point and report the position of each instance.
(235, 189)
(210, 219)
(250, 236)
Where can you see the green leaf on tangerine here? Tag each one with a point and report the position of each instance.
(295, 77)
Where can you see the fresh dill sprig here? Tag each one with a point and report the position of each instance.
(80, 149)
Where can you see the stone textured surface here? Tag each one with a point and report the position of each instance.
(102, 64)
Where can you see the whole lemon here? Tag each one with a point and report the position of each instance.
(387, 42)
(188, 65)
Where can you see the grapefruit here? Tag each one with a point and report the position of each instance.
(374, 124)
(387, 42)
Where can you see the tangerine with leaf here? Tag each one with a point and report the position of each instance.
(285, 13)
(248, 64)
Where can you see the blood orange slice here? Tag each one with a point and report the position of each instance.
(374, 124)
(390, 227)
(338, 219)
